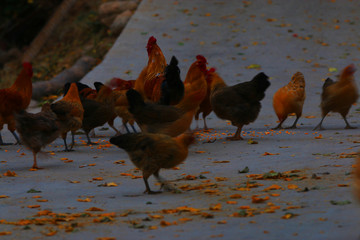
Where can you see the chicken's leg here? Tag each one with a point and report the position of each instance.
(146, 175)
(126, 127)
(16, 137)
(64, 135)
(279, 126)
(319, 126)
(295, 122)
(348, 126)
(133, 128)
(88, 138)
(35, 162)
(164, 184)
(72, 140)
(237, 135)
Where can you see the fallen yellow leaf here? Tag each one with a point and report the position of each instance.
(292, 186)
(94, 209)
(84, 200)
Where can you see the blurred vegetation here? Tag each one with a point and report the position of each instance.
(21, 20)
(81, 33)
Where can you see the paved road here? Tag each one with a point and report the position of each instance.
(318, 38)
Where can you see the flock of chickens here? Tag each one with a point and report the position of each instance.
(163, 107)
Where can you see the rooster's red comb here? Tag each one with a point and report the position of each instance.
(201, 58)
(151, 41)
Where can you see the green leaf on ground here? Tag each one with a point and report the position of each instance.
(245, 170)
(346, 202)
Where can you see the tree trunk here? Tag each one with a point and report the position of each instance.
(36, 45)
(73, 74)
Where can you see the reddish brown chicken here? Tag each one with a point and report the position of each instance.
(14, 99)
(290, 99)
(152, 152)
(339, 96)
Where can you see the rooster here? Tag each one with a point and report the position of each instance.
(70, 113)
(148, 84)
(339, 96)
(290, 99)
(37, 130)
(14, 99)
(151, 152)
(239, 103)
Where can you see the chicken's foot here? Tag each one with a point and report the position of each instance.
(236, 136)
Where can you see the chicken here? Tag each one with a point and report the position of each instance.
(14, 99)
(172, 88)
(95, 114)
(37, 130)
(239, 103)
(205, 106)
(70, 113)
(196, 76)
(148, 84)
(105, 95)
(290, 99)
(151, 152)
(339, 96)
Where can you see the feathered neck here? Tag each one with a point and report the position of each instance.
(72, 94)
(216, 81)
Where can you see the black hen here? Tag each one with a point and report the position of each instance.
(172, 88)
(239, 103)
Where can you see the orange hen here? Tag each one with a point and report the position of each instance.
(195, 82)
(339, 96)
(70, 113)
(290, 99)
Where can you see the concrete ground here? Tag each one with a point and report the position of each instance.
(311, 196)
